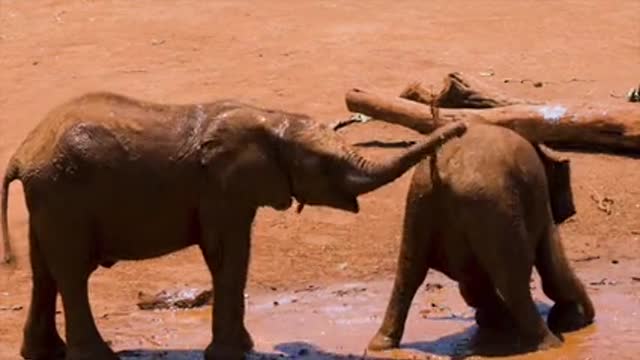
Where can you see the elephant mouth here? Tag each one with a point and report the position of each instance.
(300, 207)
(282, 206)
(300, 200)
(351, 206)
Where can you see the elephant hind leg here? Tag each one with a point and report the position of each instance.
(41, 338)
(573, 308)
(67, 245)
(509, 264)
(491, 311)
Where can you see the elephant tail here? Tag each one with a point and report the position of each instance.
(12, 173)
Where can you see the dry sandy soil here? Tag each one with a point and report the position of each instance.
(303, 56)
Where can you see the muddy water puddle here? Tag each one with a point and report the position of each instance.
(336, 322)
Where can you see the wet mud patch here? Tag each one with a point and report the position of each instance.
(337, 321)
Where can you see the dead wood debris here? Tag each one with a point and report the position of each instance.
(351, 291)
(434, 309)
(308, 288)
(605, 127)
(538, 84)
(355, 118)
(587, 258)
(633, 95)
(461, 91)
(112, 314)
(604, 203)
(433, 287)
(181, 299)
(604, 281)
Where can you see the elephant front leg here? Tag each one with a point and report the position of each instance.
(573, 308)
(411, 272)
(509, 268)
(228, 259)
(404, 289)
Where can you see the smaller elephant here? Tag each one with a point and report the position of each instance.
(483, 210)
(110, 178)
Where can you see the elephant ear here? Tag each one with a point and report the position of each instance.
(318, 179)
(558, 172)
(250, 173)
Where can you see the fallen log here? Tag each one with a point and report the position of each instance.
(567, 124)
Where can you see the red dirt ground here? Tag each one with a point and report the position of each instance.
(303, 56)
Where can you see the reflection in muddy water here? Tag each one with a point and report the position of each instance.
(331, 323)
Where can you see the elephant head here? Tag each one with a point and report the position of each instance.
(558, 171)
(270, 157)
(325, 171)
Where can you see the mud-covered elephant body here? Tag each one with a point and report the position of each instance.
(109, 178)
(483, 210)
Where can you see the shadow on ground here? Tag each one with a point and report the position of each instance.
(460, 345)
(456, 346)
(294, 350)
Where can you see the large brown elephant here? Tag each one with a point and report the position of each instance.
(483, 210)
(108, 178)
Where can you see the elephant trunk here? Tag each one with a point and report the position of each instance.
(366, 176)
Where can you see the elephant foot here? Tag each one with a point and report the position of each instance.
(494, 320)
(246, 342)
(101, 352)
(224, 352)
(51, 349)
(231, 352)
(382, 342)
(567, 317)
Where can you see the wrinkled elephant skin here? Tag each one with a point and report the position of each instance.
(483, 210)
(109, 178)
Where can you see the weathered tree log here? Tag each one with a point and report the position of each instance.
(589, 126)
(462, 91)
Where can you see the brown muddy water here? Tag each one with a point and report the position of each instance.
(336, 322)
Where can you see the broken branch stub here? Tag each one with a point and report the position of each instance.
(462, 91)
